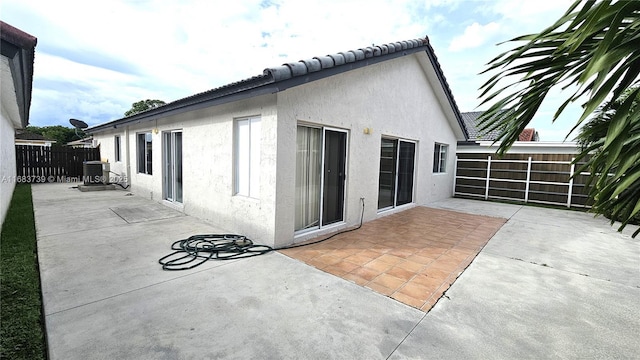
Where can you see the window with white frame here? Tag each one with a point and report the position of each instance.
(144, 153)
(116, 144)
(247, 157)
(440, 158)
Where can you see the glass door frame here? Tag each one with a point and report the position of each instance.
(169, 166)
(320, 225)
(397, 169)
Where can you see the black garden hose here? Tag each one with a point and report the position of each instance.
(198, 249)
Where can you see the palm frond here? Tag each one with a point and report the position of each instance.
(594, 47)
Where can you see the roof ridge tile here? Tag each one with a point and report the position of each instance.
(301, 68)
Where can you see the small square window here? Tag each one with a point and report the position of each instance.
(440, 158)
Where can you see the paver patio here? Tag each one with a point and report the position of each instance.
(412, 256)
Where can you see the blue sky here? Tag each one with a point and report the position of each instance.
(95, 58)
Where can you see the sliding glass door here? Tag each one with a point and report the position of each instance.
(335, 152)
(308, 173)
(172, 156)
(397, 165)
(387, 178)
(320, 177)
(406, 163)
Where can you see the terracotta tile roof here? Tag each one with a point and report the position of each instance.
(528, 134)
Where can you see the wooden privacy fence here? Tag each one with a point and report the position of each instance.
(51, 164)
(535, 178)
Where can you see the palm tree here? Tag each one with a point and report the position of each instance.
(596, 47)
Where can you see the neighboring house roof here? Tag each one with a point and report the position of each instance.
(529, 134)
(473, 128)
(88, 141)
(475, 134)
(19, 49)
(292, 74)
(25, 135)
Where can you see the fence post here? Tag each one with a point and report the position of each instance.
(526, 190)
(570, 191)
(486, 189)
(455, 174)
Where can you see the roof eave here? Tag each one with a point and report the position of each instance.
(261, 85)
(194, 102)
(447, 90)
(19, 48)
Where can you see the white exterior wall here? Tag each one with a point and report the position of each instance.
(9, 121)
(106, 141)
(208, 165)
(393, 99)
(7, 163)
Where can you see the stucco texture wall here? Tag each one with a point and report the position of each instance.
(393, 99)
(208, 165)
(7, 163)
(106, 141)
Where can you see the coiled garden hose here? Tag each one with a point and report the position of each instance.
(198, 249)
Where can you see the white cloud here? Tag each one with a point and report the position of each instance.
(474, 35)
(94, 59)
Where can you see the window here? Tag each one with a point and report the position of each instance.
(116, 142)
(440, 158)
(397, 163)
(247, 157)
(144, 153)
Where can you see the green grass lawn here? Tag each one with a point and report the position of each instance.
(21, 319)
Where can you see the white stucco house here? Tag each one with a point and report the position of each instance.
(289, 154)
(18, 49)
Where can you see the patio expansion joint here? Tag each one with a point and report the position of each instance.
(406, 336)
(138, 289)
(120, 216)
(549, 267)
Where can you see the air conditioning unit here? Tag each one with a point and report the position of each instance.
(95, 173)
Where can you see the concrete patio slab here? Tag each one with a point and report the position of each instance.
(85, 266)
(268, 307)
(569, 241)
(549, 284)
(506, 309)
(477, 207)
(144, 212)
(105, 295)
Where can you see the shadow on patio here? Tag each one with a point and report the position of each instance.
(412, 256)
